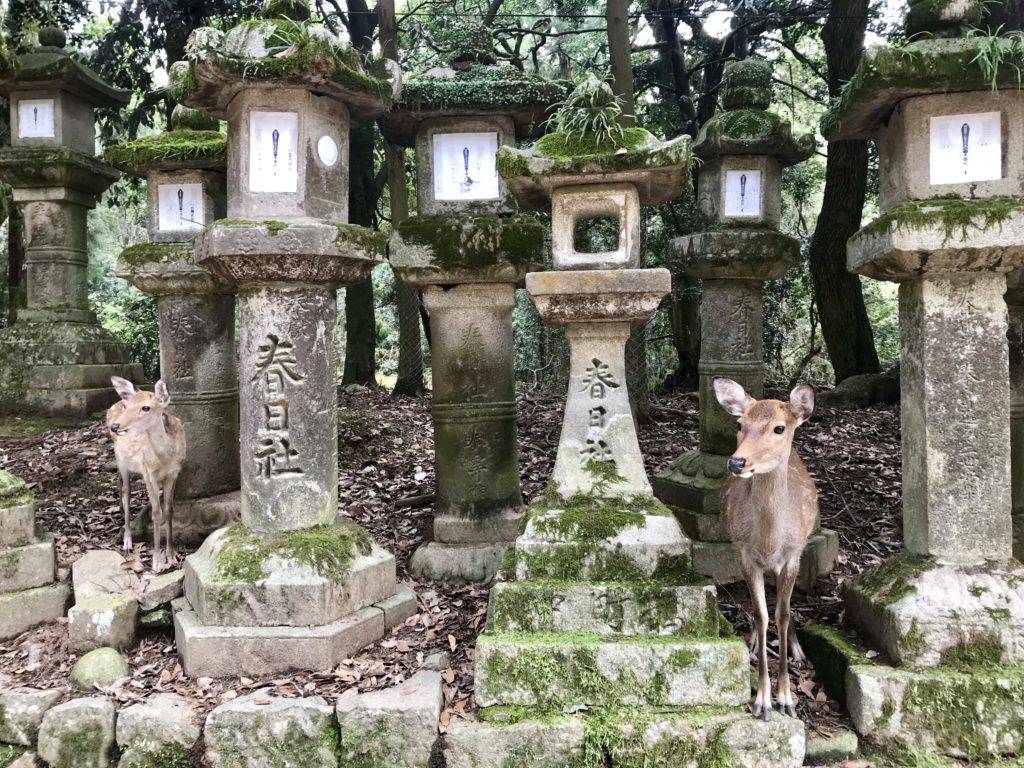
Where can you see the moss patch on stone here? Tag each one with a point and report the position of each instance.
(143, 254)
(620, 737)
(9, 753)
(328, 549)
(831, 652)
(480, 86)
(200, 148)
(458, 242)
(13, 491)
(953, 215)
(564, 145)
(163, 756)
(891, 581)
(983, 650)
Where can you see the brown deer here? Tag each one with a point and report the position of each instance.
(150, 442)
(769, 504)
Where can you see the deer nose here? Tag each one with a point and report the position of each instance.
(736, 465)
(115, 427)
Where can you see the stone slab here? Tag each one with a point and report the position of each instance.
(539, 744)
(78, 733)
(21, 611)
(598, 295)
(719, 561)
(604, 609)
(103, 620)
(977, 714)
(195, 519)
(459, 563)
(575, 670)
(157, 721)
(922, 614)
(17, 525)
(503, 526)
(100, 572)
(21, 712)
(33, 565)
(161, 589)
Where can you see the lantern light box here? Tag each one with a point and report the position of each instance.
(742, 193)
(180, 207)
(464, 166)
(273, 151)
(965, 148)
(36, 118)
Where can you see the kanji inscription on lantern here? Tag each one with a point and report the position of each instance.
(180, 207)
(597, 382)
(182, 327)
(35, 119)
(277, 369)
(742, 193)
(966, 148)
(273, 151)
(464, 166)
(598, 379)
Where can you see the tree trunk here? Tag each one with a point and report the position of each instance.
(360, 321)
(617, 16)
(844, 319)
(685, 311)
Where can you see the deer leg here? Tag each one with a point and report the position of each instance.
(169, 516)
(762, 706)
(796, 652)
(784, 581)
(156, 510)
(125, 478)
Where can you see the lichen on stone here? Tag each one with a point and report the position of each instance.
(952, 215)
(181, 148)
(479, 86)
(892, 580)
(563, 145)
(148, 756)
(982, 650)
(142, 254)
(475, 242)
(13, 491)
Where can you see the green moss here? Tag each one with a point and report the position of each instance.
(183, 85)
(749, 124)
(622, 737)
(13, 491)
(8, 754)
(373, 243)
(79, 746)
(201, 148)
(147, 756)
(157, 253)
(912, 641)
(953, 215)
(831, 653)
(983, 650)
(565, 146)
(272, 226)
(890, 582)
(477, 242)
(584, 518)
(480, 86)
(276, 748)
(746, 83)
(998, 614)
(328, 549)
(906, 756)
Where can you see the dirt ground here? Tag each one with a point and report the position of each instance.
(385, 457)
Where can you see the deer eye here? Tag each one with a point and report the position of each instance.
(779, 429)
(144, 408)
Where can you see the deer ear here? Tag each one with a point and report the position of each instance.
(732, 396)
(801, 402)
(163, 397)
(123, 387)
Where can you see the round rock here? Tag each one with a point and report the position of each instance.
(101, 667)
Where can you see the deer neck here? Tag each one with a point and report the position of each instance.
(771, 489)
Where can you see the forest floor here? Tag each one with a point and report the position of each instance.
(386, 455)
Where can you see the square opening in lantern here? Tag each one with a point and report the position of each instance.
(36, 119)
(597, 234)
(180, 207)
(965, 148)
(742, 193)
(273, 151)
(464, 166)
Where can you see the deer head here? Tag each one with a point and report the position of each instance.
(766, 426)
(142, 409)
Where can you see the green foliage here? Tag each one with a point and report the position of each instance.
(998, 51)
(575, 145)
(591, 109)
(200, 147)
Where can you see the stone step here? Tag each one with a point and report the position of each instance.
(71, 402)
(83, 376)
(694, 737)
(17, 525)
(32, 565)
(20, 611)
(646, 608)
(579, 670)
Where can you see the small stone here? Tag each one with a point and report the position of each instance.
(78, 734)
(26, 760)
(52, 37)
(163, 725)
(103, 620)
(21, 712)
(161, 589)
(257, 730)
(827, 750)
(438, 662)
(100, 667)
(396, 727)
(99, 572)
(158, 618)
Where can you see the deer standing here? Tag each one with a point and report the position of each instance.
(150, 442)
(769, 504)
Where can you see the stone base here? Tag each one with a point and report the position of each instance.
(663, 740)
(720, 562)
(28, 566)
(21, 611)
(923, 614)
(220, 651)
(194, 519)
(473, 563)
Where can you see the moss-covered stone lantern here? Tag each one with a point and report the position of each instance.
(184, 171)
(468, 250)
(291, 586)
(743, 150)
(597, 610)
(56, 358)
(948, 612)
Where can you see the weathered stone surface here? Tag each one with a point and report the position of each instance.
(32, 565)
(99, 572)
(573, 204)
(20, 611)
(99, 667)
(201, 517)
(162, 727)
(574, 670)
(256, 731)
(862, 391)
(833, 748)
(78, 734)
(467, 563)
(25, 760)
(393, 728)
(1015, 338)
(623, 295)
(103, 620)
(535, 743)
(158, 618)
(921, 613)
(21, 712)
(161, 589)
(977, 714)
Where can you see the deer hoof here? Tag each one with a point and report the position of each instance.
(791, 711)
(126, 544)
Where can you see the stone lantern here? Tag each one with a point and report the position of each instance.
(596, 607)
(468, 250)
(291, 586)
(947, 613)
(56, 358)
(743, 150)
(184, 171)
